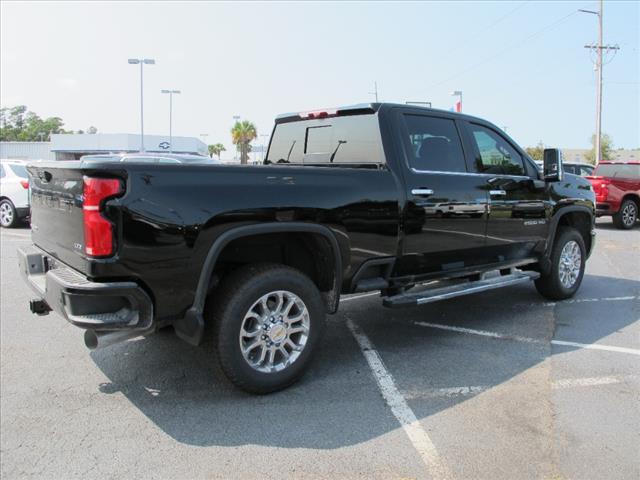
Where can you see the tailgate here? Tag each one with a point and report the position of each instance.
(56, 211)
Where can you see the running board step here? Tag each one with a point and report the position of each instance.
(443, 293)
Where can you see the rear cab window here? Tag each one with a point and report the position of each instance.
(352, 139)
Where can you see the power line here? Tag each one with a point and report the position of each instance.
(481, 31)
(504, 50)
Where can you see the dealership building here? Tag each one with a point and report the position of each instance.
(73, 146)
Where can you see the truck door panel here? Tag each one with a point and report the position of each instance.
(446, 208)
(517, 209)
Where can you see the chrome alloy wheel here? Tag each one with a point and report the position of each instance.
(6, 215)
(274, 331)
(570, 264)
(629, 214)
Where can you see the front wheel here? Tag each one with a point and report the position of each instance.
(267, 320)
(626, 217)
(568, 258)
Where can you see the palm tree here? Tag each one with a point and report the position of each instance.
(216, 149)
(243, 133)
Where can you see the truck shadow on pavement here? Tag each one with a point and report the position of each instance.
(338, 403)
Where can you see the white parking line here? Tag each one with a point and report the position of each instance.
(16, 235)
(518, 338)
(596, 346)
(583, 300)
(584, 382)
(450, 392)
(417, 435)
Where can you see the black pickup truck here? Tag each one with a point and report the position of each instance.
(249, 259)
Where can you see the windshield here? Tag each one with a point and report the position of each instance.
(624, 170)
(350, 139)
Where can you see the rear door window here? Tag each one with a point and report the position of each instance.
(495, 155)
(434, 144)
(628, 170)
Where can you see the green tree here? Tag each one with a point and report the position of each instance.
(606, 146)
(537, 152)
(216, 149)
(242, 134)
(19, 125)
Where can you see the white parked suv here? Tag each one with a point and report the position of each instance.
(14, 192)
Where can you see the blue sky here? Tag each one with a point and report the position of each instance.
(519, 64)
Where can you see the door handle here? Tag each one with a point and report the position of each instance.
(422, 192)
(496, 193)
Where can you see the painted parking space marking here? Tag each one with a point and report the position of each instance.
(584, 382)
(25, 236)
(398, 405)
(466, 391)
(596, 346)
(587, 300)
(518, 338)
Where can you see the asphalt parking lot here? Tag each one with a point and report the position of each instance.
(501, 385)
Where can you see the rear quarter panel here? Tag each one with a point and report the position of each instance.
(170, 216)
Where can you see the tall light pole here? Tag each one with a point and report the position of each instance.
(458, 93)
(375, 90)
(142, 62)
(600, 48)
(171, 93)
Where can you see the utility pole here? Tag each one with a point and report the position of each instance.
(375, 90)
(600, 49)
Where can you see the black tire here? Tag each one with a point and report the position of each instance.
(550, 285)
(232, 300)
(626, 217)
(8, 214)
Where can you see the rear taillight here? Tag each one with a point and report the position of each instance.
(603, 190)
(98, 231)
(25, 184)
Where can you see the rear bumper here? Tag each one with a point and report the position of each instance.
(23, 212)
(96, 306)
(603, 208)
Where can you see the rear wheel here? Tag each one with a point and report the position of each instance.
(267, 321)
(8, 214)
(626, 217)
(568, 258)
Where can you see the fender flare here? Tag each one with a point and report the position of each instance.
(545, 260)
(190, 328)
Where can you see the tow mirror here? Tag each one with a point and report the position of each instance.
(552, 165)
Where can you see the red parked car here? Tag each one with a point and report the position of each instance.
(617, 189)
